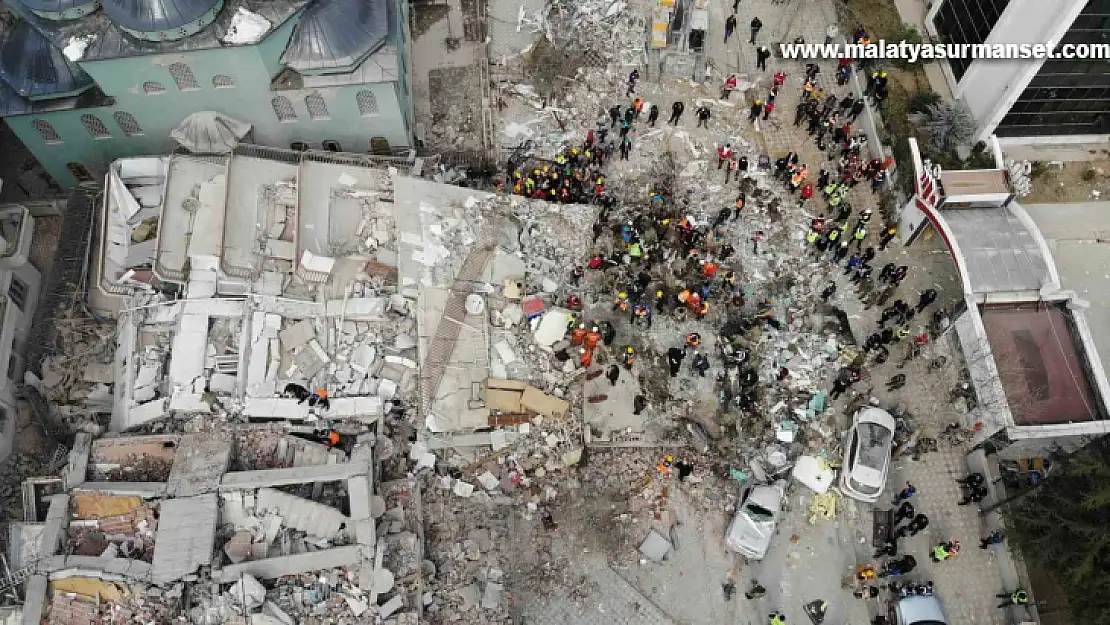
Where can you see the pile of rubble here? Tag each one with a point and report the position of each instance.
(77, 378)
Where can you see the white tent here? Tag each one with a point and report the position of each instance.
(208, 132)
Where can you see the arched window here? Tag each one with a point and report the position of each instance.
(317, 108)
(127, 123)
(367, 103)
(298, 146)
(222, 81)
(46, 131)
(332, 146)
(183, 76)
(153, 87)
(283, 109)
(80, 172)
(95, 127)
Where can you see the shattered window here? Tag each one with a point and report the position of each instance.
(874, 445)
(758, 512)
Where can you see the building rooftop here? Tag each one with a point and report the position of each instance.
(34, 68)
(975, 182)
(1040, 364)
(1000, 254)
(337, 34)
(112, 41)
(1078, 236)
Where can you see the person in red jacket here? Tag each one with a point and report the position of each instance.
(724, 153)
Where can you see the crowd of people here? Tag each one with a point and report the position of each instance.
(660, 259)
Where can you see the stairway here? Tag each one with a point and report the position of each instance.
(454, 312)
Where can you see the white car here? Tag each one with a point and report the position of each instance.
(758, 514)
(867, 454)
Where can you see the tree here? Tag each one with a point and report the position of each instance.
(922, 100)
(945, 125)
(1061, 527)
(910, 35)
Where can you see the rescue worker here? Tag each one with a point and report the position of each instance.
(1018, 597)
(941, 552)
(693, 339)
(629, 357)
(614, 374)
(585, 357)
(592, 338)
(641, 314)
(674, 360)
(701, 363)
(319, 398)
(329, 437)
(621, 303)
(665, 464)
(777, 618)
(579, 335)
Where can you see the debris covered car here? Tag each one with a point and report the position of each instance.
(867, 446)
(756, 518)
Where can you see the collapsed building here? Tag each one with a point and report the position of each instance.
(278, 522)
(435, 320)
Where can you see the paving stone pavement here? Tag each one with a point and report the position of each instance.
(966, 585)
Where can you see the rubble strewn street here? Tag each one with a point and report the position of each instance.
(633, 380)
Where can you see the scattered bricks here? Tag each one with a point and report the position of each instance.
(501, 420)
(70, 609)
(124, 524)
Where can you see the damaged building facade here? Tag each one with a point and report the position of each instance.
(83, 84)
(20, 284)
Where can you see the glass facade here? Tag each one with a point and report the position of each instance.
(1067, 96)
(967, 21)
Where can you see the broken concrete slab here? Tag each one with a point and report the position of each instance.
(315, 519)
(391, 606)
(537, 401)
(296, 564)
(491, 598)
(293, 475)
(297, 335)
(655, 547)
(247, 592)
(552, 327)
(470, 596)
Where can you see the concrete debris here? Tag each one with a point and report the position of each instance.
(248, 592)
(655, 547)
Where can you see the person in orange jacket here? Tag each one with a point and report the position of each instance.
(579, 335)
(592, 338)
(585, 357)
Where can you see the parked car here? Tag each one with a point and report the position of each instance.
(758, 514)
(867, 447)
(918, 610)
